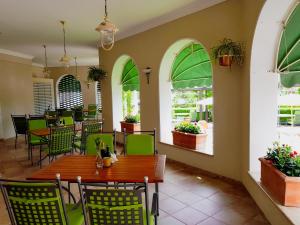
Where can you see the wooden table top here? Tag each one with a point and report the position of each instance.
(46, 131)
(127, 169)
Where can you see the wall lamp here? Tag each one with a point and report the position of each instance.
(147, 72)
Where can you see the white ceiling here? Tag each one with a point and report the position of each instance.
(25, 25)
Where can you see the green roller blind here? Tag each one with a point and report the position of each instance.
(130, 77)
(192, 68)
(288, 59)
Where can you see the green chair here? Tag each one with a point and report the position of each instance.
(67, 113)
(140, 143)
(104, 204)
(87, 128)
(109, 139)
(20, 125)
(66, 120)
(39, 202)
(60, 142)
(92, 112)
(34, 124)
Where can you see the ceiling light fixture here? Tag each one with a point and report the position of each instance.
(46, 71)
(65, 60)
(107, 32)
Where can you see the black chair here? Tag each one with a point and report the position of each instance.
(20, 125)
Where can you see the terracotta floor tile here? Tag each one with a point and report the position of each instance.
(171, 205)
(231, 217)
(224, 198)
(187, 197)
(209, 207)
(189, 216)
(211, 221)
(170, 188)
(169, 220)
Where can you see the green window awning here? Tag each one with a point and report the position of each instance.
(288, 59)
(130, 77)
(192, 68)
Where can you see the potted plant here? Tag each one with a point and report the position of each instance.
(189, 135)
(96, 74)
(227, 52)
(131, 123)
(280, 174)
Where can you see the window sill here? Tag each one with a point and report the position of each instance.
(198, 151)
(291, 213)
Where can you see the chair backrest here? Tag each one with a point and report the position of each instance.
(36, 117)
(92, 109)
(114, 206)
(78, 115)
(34, 124)
(61, 140)
(67, 113)
(140, 143)
(34, 202)
(109, 139)
(66, 120)
(89, 128)
(20, 123)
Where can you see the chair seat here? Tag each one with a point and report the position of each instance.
(75, 214)
(35, 140)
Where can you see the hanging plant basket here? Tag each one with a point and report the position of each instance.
(228, 52)
(96, 74)
(226, 60)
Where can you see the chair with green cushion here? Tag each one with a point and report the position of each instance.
(51, 117)
(67, 113)
(92, 111)
(140, 143)
(39, 202)
(87, 128)
(60, 142)
(103, 204)
(109, 139)
(36, 117)
(34, 124)
(66, 120)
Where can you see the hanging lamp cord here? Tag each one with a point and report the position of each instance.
(46, 59)
(105, 16)
(64, 31)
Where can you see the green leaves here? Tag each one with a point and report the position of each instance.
(132, 119)
(186, 127)
(96, 74)
(284, 159)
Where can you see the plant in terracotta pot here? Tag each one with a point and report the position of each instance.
(131, 123)
(96, 74)
(228, 52)
(280, 174)
(189, 135)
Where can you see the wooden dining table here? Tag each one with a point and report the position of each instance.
(126, 169)
(43, 132)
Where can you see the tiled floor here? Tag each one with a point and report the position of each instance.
(186, 197)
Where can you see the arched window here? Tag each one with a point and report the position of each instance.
(190, 97)
(69, 92)
(98, 95)
(125, 90)
(130, 89)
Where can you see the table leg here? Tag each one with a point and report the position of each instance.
(157, 191)
(69, 195)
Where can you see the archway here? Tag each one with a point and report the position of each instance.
(185, 70)
(125, 77)
(264, 79)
